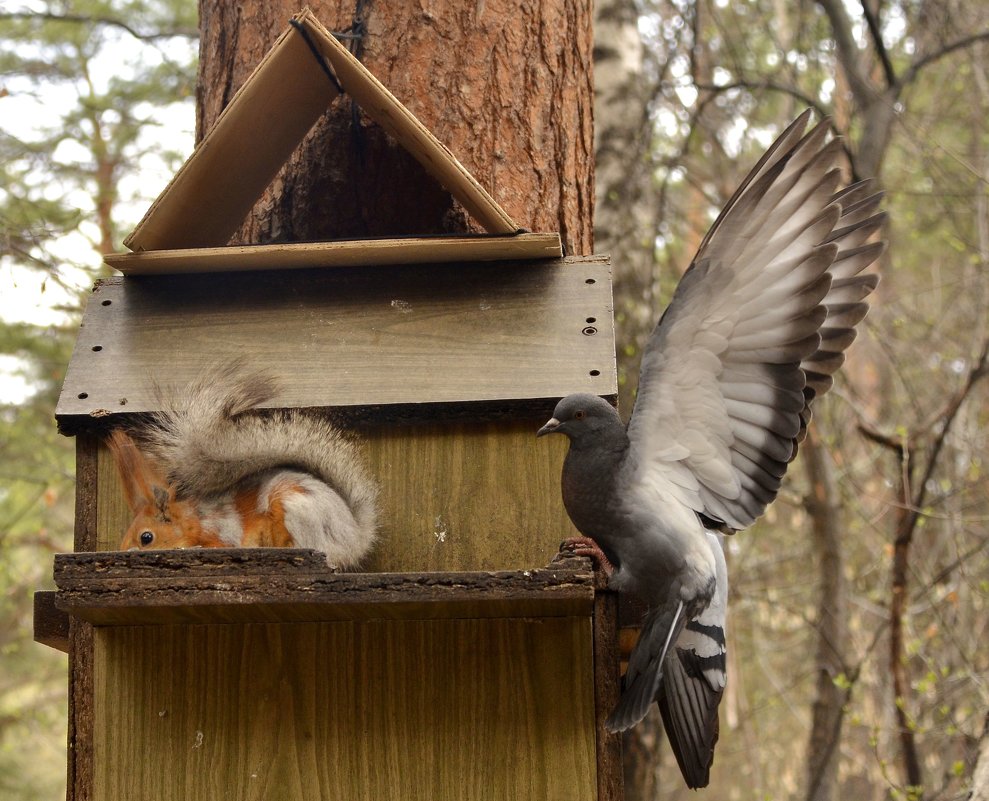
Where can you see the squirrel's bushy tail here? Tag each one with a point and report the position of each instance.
(208, 440)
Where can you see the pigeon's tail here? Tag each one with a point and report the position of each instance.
(645, 667)
(694, 679)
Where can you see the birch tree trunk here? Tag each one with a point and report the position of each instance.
(625, 227)
(505, 84)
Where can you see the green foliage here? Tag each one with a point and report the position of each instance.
(91, 94)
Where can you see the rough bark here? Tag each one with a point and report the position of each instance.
(505, 84)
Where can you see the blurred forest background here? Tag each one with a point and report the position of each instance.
(860, 604)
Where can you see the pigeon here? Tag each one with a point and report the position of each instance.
(755, 331)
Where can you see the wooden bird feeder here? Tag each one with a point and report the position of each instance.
(461, 664)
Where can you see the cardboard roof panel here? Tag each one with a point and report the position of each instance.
(209, 197)
(211, 194)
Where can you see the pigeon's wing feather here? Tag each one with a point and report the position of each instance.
(642, 680)
(855, 235)
(722, 395)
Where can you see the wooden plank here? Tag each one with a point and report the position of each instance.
(451, 709)
(607, 690)
(81, 759)
(265, 584)
(350, 253)
(467, 497)
(413, 335)
(208, 198)
(51, 624)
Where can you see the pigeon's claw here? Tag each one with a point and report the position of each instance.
(585, 546)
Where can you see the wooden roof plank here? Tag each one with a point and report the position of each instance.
(348, 253)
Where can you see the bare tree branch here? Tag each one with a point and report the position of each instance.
(875, 31)
(83, 19)
(911, 73)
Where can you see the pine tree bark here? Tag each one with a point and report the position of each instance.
(505, 84)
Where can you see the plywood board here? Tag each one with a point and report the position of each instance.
(411, 335)
(213, 191)
(452, 709)
(350, 253)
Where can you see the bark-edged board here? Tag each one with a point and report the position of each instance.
(346, 253)
(418, 334)
(295, 585)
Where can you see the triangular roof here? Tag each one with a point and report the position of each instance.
(212, 193)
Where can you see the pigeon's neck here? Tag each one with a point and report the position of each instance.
(590, 471)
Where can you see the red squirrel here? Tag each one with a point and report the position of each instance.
(216, 473)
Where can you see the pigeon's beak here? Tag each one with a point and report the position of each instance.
(551, 425)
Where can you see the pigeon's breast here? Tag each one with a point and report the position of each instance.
(589, 495)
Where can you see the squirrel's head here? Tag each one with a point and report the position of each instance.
(160, 519)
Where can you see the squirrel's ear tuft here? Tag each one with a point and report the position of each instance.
(162, 501)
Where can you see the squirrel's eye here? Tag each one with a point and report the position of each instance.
(147, 537)
(579, 414)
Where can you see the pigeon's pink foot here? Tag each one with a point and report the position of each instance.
(585, 546)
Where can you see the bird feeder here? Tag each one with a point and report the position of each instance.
(461, 663)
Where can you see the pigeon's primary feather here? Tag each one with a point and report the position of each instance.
(755, 332)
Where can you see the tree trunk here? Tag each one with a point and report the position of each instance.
(832, 630)
(505, 84)
(625, 214)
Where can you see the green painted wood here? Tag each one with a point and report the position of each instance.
(432, 710)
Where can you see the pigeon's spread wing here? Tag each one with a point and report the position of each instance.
(755, 331)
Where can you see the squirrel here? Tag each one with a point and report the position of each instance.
(215, 475)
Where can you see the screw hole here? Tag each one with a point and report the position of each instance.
(83, 395)
(589, 331)
(595, 372)
(107, 302)
(590, 281)
(591, 319)
(97, 348)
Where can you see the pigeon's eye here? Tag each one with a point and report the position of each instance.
(147, 537)
(580, 414)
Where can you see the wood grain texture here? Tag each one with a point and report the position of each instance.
(82, 724)
(80, 764)
(479, 709)
(351, 337)
(607, 690)
(350, 253)
(274, 584)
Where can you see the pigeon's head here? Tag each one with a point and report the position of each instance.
(582, 415)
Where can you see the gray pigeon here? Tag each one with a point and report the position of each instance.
(756, 329)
